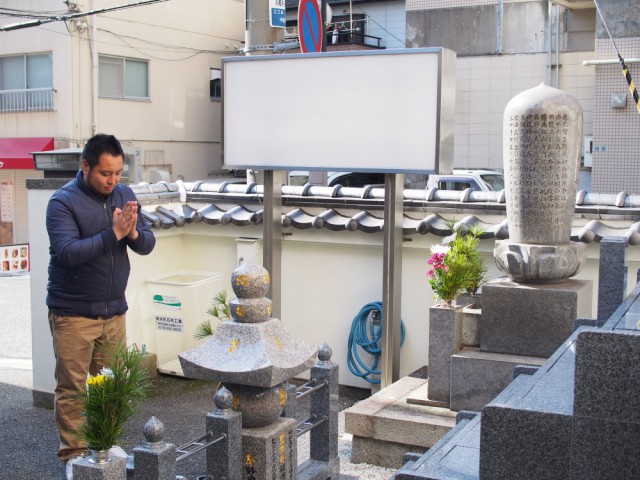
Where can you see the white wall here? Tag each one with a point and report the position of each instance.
(41, 342)
(484, 86)
(327, 278)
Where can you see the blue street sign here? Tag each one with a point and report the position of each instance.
(277, 17)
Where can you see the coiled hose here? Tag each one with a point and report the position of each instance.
(367, 335)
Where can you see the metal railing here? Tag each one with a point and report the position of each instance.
(352, 36)
(223, 440)
(27, 100)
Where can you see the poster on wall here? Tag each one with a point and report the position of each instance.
(6, 201)
(14, 258)
(6, 212)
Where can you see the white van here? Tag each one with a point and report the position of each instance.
(483, 180)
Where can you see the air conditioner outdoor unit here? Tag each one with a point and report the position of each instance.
(132, 168)
(67, 161)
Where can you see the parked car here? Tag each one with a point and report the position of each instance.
(482, 180)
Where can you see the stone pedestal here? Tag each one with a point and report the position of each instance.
(478, 377)
(531, 320)
(270, 453)
(115, 469)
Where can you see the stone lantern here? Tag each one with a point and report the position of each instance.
(253, 355)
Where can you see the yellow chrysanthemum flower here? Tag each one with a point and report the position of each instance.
(96, 380)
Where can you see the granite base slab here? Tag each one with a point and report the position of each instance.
(477, 377)
(532, 320)
(385, 426)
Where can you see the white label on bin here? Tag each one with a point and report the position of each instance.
(168, 302)
(169, 324)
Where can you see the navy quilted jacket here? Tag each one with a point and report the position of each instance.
(89, 268)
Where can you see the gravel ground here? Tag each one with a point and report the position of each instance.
(347, 469)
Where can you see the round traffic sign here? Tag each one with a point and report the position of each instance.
(310, 28)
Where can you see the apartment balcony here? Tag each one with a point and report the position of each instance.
(27, 100)
(345, 40)
(351, 39)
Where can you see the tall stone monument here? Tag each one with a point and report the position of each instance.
(529, 313)
(253, 355)
(532, 312)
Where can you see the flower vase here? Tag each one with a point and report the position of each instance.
(467, 299)
(446, 303)
(445, 339)
(99, 456)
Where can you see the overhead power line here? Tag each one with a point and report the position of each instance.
(71, 16)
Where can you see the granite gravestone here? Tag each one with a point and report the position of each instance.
(532, 312)
(542, 144)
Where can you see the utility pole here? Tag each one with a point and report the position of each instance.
(260, 37)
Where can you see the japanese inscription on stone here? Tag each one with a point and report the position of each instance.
(541, 189)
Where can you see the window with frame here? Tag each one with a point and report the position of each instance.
(26, 82)
(120, 77)
(215, 83)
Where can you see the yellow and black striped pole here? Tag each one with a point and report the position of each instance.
(625, 69)
(632, 87)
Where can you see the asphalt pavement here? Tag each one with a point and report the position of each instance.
(28, 437)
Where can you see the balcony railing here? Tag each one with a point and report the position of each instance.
(26, 100)
(354, 36)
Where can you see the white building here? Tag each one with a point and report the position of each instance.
(149, 75)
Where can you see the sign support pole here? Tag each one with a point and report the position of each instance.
(259, 32)
(392, 279)
(272, 236)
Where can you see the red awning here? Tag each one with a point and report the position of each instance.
(15, 153)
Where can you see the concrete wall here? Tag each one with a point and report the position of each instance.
(472, 27)
(327, 278)
(621, 17)
(467, 31)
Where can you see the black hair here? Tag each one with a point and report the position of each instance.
(99, 144)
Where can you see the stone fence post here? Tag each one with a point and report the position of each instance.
(224, 458)
(156, 459)
(324, 403)
(612, 277)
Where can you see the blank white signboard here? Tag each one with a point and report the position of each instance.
(384, 111)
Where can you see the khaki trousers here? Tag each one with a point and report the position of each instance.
(74, 344)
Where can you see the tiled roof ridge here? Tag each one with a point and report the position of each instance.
(167, 190)
(165, 205)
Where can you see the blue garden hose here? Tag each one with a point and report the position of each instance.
(367, 337)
